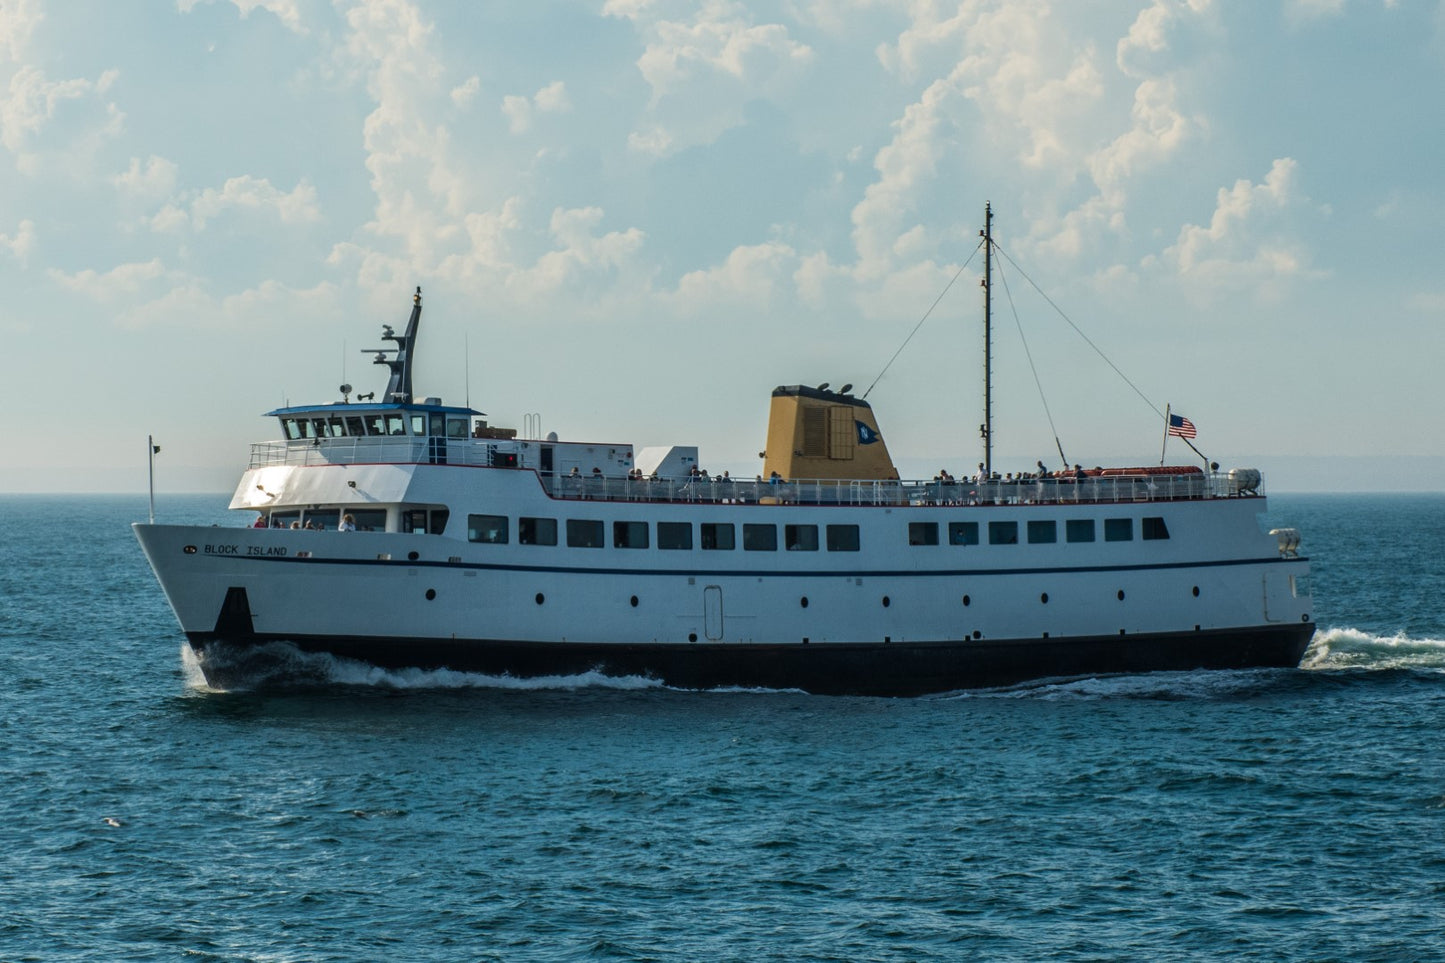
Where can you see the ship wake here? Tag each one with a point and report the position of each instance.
(281, 665)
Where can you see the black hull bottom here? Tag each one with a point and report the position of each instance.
(882, 669)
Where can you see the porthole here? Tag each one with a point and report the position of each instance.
(803, 601)
(967, 601)
(413, 556)
(541, 598)
(1121, 595)
(1196, 591)
(189, 550)
(887, 601)
(431, 594)
(977, 634)
(692, 636)
(634, 601)
(1044, 598)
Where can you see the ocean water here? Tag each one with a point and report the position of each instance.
(1257, 815)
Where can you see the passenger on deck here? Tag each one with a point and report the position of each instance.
(260, 522)
(348, 523)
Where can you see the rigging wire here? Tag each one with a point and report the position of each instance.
(1080, 333)
(1008, 293)
(946, 287)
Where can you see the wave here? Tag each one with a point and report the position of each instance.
(1348, 648)
(282, 665)
(1161, 686)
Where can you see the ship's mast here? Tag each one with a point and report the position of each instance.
(986, 429)
(398, 386)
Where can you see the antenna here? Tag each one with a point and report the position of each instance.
(467, 364)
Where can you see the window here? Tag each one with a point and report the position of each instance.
(963, 533)
(456, 427)
(369, 519)
(760, 538)
(537, 531)
(842, 538)
(395, 425)
(376, 425)
(1003, 533)
(1043, 532)
(325, 519)
(355, 426)
(922, 533)
(674, 535)
(1118, 529)
(418, 424)
(1153, 528)
(717, 536)
(584, 533)
(629, 534)
(1079, 529)
(293, 430)
(800, 538)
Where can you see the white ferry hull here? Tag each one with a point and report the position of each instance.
(828, 624)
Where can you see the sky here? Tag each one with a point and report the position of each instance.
(632, 219)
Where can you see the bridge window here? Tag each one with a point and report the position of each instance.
(629, 534)
(355, 426)
(760, 538)
(418, 424)
(922, 533)
(1118, 529)
(395, 425)
(584, 533)
(718, 536)
(1043, 532)
(800, 538)
(1079, 530)
(674, 535)
(963, 533)
(536, 531)
(1153, 528)
(842, 538)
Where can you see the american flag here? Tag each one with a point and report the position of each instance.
(1181, 427)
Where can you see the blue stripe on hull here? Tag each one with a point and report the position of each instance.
(861, 668)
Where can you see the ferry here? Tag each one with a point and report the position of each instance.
(405, 533)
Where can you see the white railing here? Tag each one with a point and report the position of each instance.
(1124, 487)
(1092, 489)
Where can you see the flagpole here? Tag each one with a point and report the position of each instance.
(151, 464)
(1165, 443)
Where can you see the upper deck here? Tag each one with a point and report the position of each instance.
(559, 469)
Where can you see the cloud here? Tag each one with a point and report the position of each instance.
(32, 102)
(156, 179)
(1247, 240)
(244, 193)
(284, 10)
(187, 303)
(703, 71)
(18, 20)
(21, 244)
(465, 93)
(122, 282)
(551, 99)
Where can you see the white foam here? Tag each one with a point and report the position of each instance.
(1348, 648)
(1195, 684)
